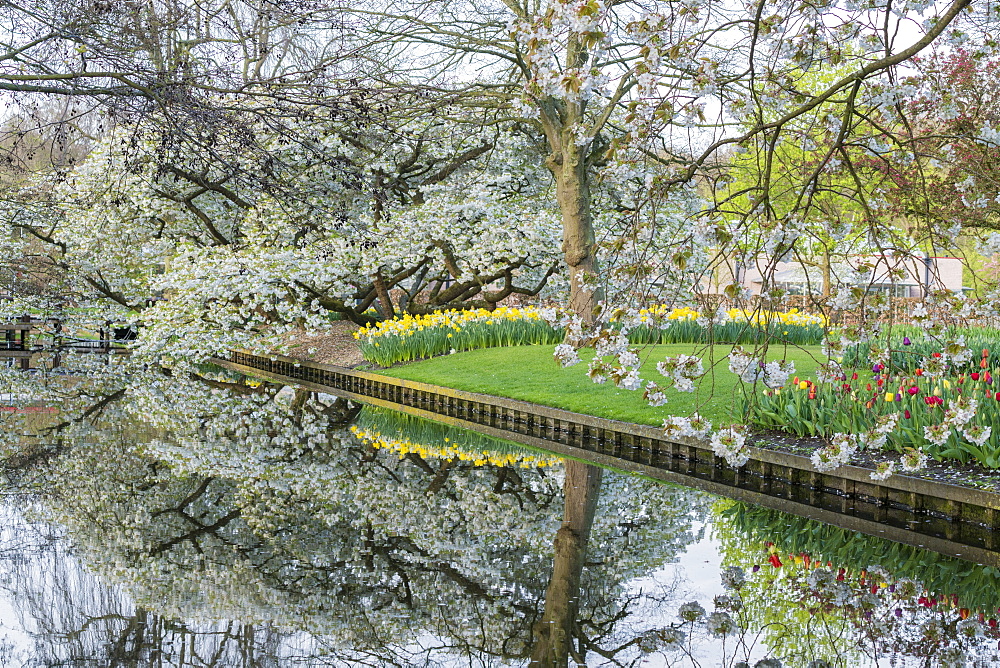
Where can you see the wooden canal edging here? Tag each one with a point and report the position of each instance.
(945, 518)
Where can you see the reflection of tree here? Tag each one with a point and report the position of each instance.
(75, 620)
(250, 505)
(557, 629)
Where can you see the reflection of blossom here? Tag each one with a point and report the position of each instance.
(721, 624)
(733, 578)
(691, 611)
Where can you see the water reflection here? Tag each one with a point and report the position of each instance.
(228, 525)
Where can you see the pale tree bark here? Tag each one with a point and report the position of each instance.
(554, 633)
(579, 243)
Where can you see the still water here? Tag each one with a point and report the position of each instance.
(172, 521)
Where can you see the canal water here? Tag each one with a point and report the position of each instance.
(173, 521)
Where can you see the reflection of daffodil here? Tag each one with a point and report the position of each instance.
(451, 451)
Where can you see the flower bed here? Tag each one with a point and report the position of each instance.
(919, 414)
(910, 347)
(411, 337)
(661, 324)
(416, 337)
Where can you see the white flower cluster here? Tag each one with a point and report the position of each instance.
(831, 372)
(654, 395)
(977, 434)
(683, 370)
(913, 460)
(750, 370)
(730, 444)
(692, 427)
(545, 42)
(836, 453)
(883, 470)
(566, 355)
(960, 411)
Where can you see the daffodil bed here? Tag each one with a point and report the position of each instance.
(417, 337)
(530, 373)
(411, 337)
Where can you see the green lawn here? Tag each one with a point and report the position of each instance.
(531, 374)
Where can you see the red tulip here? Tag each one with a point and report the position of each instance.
(854, 376)
(936, 355)
(913, 389)
(983, 363)
(975, 375)
(920, 372)
(906, 414)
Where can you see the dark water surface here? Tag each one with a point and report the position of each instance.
(156, 521)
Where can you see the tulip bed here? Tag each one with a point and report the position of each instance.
(946, 418)
(910, 348)
(403, 434)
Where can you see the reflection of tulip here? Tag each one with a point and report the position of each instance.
(963, 613)
(906, 341)
(775, 561)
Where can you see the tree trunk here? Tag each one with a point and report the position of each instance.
(579, 244)
(554, 633)
(827, 275)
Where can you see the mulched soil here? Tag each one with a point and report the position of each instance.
(951, 473)
(338, 346)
